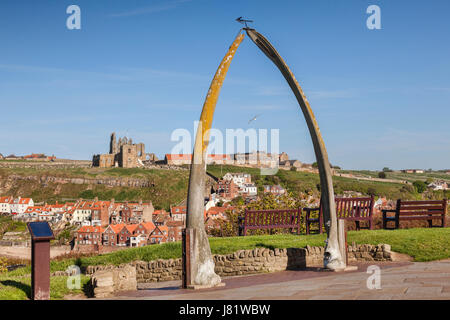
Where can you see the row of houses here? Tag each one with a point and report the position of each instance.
(123, 235)
(255, 158)
(165, 227)
(81, 212)
(11, 205)
(33, 156)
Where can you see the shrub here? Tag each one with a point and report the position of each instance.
(3, 265)
(382, 175)
(420, 186)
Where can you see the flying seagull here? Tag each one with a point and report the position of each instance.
(243, 21)
(254, 118)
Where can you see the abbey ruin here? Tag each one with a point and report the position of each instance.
(123, 153)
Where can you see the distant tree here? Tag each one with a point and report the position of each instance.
(315, 165)
(382, 175)
(420, 186)
(386, 169)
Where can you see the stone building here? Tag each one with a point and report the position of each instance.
(122, 153)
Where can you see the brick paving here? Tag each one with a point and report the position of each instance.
(399, 281)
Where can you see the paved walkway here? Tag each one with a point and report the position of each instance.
(407, 280)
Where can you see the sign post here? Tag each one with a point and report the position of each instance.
(187, 256)
(41, 234)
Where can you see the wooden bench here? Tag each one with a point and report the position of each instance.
(270, 219)
(416, 210)
(351, 209)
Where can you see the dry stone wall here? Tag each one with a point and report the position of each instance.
(258, 260)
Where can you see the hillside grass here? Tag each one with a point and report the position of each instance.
(169, 187)
(309, 183)
(410, 177)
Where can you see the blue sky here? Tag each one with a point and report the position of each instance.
(142, 68)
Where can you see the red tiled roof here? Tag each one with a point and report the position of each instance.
(150, 226)
(6, 199)
(91, 229)
(131, 227)
(178, 210)
(24, 200)
(216, 210)
(117, 227)
(179, 156)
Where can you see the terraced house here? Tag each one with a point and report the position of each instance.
(88, 235)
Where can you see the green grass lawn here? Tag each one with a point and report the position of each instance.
(19, 287)
(422, 244)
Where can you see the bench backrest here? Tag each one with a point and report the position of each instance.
(354, 207)
(422, 207)
(264, 219)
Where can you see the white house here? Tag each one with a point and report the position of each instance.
(19, 205)
(249, 189)
(5, 204)
(82, 212)
(238, 178)
(438, 185)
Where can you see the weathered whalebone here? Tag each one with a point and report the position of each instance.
(332, 258)
(202, 264)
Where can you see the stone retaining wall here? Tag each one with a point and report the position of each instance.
(69, 164)
(245, 262)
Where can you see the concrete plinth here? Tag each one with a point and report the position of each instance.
(199, 287)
